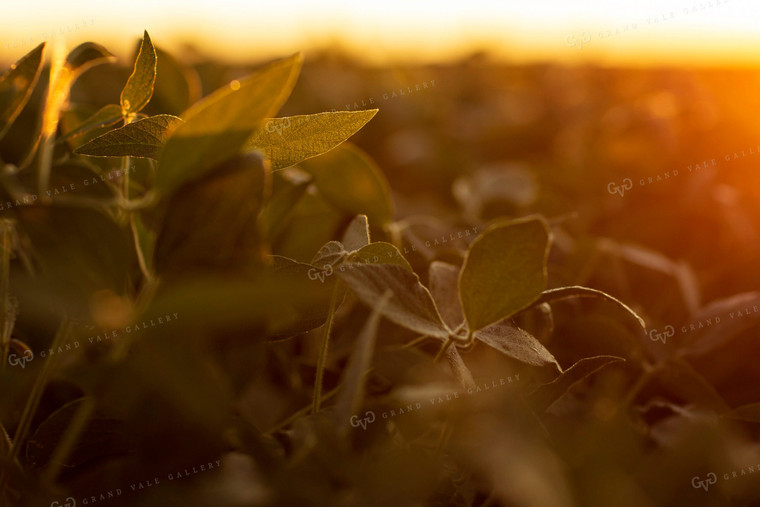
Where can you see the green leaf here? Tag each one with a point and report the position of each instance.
(356, 234)
(504, 271)
(212, 223)
(411, 306)
(286, 193)
(349, 179)
(218, 126)
(293, 139)
(516, 343)
(16, 86)
(143, 138)
(442, 279)
(543, 397)
(139, 88)
(106, 116)
(576, 291)
(380, 252)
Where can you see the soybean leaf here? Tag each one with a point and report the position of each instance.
(380, 253)
(293, 139)
(286, 193)
(86, 56)
(411, 306)
(352, 391)
(577, 291)
(347, 167)
(218, 126)
(190, 236)
(331, 253)
(546, 394)
(516, 343)
(16, 86)
(139, 88)
(504, 271)
(106, 116)
(442, 279)
(143, 138)
(357, 233)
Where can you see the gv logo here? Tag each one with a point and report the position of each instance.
(572, 41)
(369, 418)
(705, 483)
(320, 274)
(278, 126)
(655, 335)
(614, 188)
(15, 360)
(70, 502)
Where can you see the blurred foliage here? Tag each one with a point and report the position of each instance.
(523, 285)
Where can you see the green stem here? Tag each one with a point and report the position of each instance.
(305, 410)
(323, 351)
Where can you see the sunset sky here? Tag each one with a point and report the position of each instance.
(610, 32)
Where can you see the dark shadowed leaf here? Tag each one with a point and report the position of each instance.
(352, 391)
(218, 126)
(411, 306)
(351, 181)
(749, 413)
(286, 192)
(288, 141)
(190, 235)
(576, 291)
(86, 56)
(543, 397)
(504, 271)
(516, 343)
(143, 138)
(139, 88)
(16, 86)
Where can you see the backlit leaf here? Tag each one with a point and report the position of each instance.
(357, 233)
(290, 140)
(16, 86)
(139, 88)
(143, 138)
(107, 115)
(504, 271)
(380, 253)
(218, 126)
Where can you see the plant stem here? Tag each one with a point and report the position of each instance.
(70, 437)
(323, 351)
(6, 320)
(443, 349)
(33, 401)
